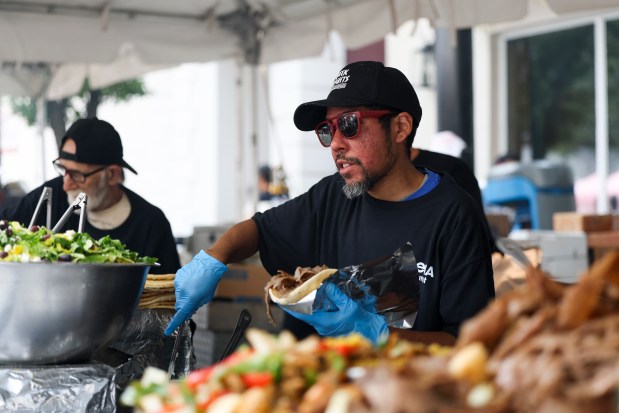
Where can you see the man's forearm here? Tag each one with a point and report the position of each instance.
(236, 244)
(427, 337)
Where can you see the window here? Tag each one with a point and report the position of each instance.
(551, 96)
(551, 92)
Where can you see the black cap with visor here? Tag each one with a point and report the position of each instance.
(96, 142)
(366, 83)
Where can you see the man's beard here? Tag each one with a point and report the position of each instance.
(357, 189)
(94, 200)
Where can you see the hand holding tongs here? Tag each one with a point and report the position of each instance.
(46, 196)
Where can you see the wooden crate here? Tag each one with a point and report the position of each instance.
(500, 224)
(573, 221)
(243, 281)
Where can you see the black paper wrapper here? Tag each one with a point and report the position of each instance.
(388, 286)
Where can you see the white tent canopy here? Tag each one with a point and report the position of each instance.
(111, 40)
(108, 41)
(23, 79)
(165, 32)
(68, 78)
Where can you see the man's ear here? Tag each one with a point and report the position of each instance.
(403, 126)
(115, 174)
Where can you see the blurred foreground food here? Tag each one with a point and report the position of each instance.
(544, 347)
(553, 347)
(277, 373)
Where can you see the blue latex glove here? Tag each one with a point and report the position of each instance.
(194, 286)
(349, 317)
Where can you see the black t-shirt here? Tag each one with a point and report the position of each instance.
(146, 231)
(444, 226)
(455, 167)
(461, 173)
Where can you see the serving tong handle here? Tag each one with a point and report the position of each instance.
(80, 202)
(241, 325)
(174, 356)
(46, 197)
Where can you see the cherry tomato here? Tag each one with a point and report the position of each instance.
(198, 377)
(257, 378)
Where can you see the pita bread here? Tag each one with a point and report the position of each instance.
(152, 284)
(160, 301)
(298, 293)
(160, 276)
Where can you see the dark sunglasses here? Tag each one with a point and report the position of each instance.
(347, 123)
(76, 176)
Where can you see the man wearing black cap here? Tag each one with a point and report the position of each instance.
(91, 161)
(375, 203)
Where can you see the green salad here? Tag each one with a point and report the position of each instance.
(20, 244)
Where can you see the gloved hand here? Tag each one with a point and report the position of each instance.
(349, 317)
(195, 285)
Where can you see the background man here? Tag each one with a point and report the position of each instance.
(91, 161)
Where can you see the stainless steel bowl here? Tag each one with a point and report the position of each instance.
(64, 312)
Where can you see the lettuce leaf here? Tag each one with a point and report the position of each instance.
(20, 244)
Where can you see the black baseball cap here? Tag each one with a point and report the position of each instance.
(363, 84)
(97, 142)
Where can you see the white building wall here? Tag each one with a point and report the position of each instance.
(403, 51)
(172, 137)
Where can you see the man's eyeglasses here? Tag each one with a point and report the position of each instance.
(76, 176)
(347, 123)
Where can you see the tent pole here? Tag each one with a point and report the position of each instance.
(254, 137)
(601, 114)
(41, 123)
(240, 153)
(1, 126)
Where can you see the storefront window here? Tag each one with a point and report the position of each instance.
(551, 96)
(551, 93)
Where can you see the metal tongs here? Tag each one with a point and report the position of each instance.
(46, 196)
(512, 248)
(237, 334)
(80, 202)
(173, 357)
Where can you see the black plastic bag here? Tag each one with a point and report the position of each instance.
(388, 286)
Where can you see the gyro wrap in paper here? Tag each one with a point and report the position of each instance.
(388, 286)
